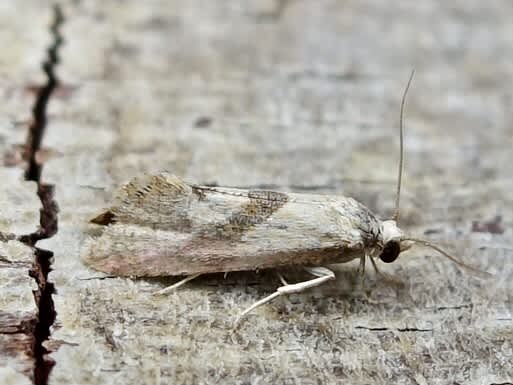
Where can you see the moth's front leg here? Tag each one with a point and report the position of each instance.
(361, 267)
(387, 277)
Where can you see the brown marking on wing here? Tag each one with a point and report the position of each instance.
(261, 205)
(104, 219)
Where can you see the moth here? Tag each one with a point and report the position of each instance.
(160, 225)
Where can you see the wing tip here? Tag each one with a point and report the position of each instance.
(104, 219)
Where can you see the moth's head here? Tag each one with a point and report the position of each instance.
(393, 242)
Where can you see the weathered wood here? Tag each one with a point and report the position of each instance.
(17, 313)
(292, 94)
(24, 37)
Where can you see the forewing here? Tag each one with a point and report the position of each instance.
(161, 225)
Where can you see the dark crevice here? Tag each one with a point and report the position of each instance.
(39, 113)
(456, 307)
(372, 329)
(417, 330)
(48, 213)
(402, 330)
(46, 315)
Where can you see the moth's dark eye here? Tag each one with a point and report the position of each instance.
(390, 252)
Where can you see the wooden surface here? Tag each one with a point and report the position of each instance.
(303, 96)
(20, 74)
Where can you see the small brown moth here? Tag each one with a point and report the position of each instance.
(159, 225)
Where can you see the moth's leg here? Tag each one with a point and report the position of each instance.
(282, 279)
(323, 274)
(390, 279)
(361, 267)
(177, 284)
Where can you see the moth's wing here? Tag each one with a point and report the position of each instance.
(155, 201)
(306, 230)
(234, 230)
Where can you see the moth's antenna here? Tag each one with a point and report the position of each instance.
(482, 274)
(395, 217)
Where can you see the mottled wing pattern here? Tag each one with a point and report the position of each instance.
(156, 201)
(258, 207)
(160, 225)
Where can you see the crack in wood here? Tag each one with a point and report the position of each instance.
(385, 329)
(48, 213)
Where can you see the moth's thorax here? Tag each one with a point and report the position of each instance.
(390, 232)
